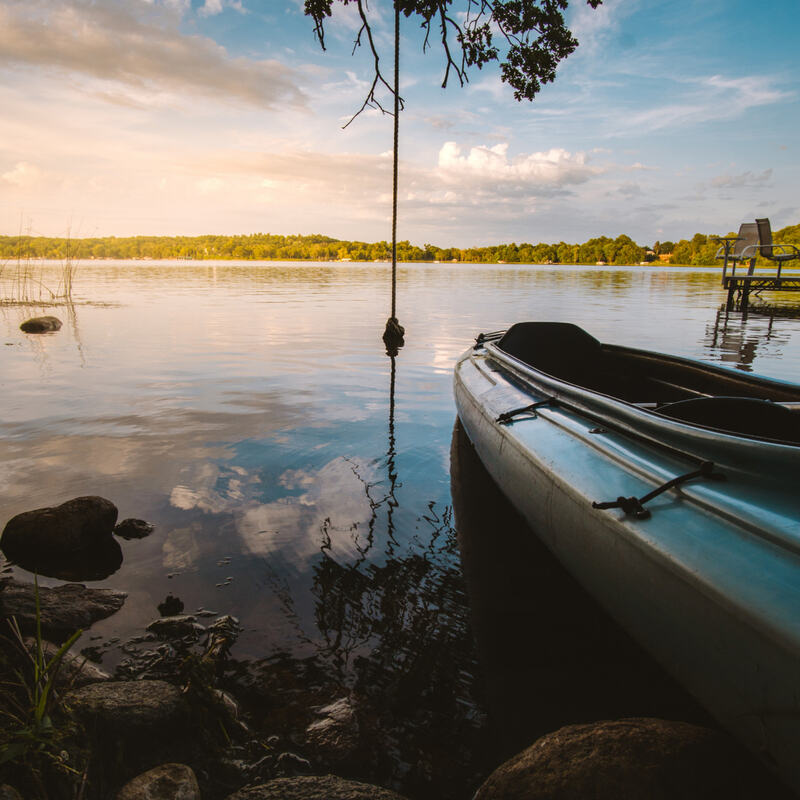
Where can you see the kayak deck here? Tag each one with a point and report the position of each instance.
(680, 389)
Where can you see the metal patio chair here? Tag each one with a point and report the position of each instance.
(780, 253)
(739, 248)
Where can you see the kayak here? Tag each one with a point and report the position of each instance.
(669, 488)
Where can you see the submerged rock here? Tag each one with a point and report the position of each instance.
(334, 736)
(48, 533)
(313, 787)
(165, 782)
(171, 606)
(41, 325)
(133, 529)
(62, 610)
(649, 759)
(177, 627)
(9, 793)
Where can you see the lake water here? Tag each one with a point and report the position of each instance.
(297, 477)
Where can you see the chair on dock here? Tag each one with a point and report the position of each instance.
(779, 253)
(739, 248)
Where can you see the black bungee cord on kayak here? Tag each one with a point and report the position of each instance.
(393, 334)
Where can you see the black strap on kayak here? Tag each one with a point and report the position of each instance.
(635, 505)
(508, 416)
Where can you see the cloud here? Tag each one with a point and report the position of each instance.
(213, 7)
(629, 190)
(746, 179)
(714, 98)
(23, 175)
(545, 170)
(108, 43)
(591, 26)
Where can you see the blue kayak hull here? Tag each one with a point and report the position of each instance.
(708, 580)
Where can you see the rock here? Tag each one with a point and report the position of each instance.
(172, 606)
(335, 735)
(176, 627)
(93, 564)
(222, 634)
(128, 708)
(313, 787)
(74, 671)
(133, 529)
(228, 703)
(165, 782)
(41, 325)
(62, 610)
(291, 764)
(74, 526)
(649, 759)
(9, 793)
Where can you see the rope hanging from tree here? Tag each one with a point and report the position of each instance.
(393, 334)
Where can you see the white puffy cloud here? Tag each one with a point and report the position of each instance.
(553, 168)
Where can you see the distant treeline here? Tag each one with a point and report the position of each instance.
(699, 250)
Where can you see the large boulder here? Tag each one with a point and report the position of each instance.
(127, 709)
(313, 787)
(75, 526)
(41, 325)
(649, 759)
(165, 782)
(62, 609)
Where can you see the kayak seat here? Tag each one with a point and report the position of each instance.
(568, 353)
(557, 348)
(748, 416)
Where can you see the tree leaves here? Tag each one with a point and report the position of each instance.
(534, 37)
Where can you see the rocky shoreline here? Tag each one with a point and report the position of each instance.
(181, 719)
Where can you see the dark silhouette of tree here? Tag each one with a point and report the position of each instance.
(528, 38)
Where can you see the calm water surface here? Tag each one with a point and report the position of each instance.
(245, 411)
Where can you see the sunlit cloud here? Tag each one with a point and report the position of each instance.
(111, 45)
(555, 167)
(23, 174)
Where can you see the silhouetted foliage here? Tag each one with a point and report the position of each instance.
(528, 38)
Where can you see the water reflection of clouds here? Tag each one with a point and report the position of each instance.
(212, 488)
(333, 513)
(132, 460)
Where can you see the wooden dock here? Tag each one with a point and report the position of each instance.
(751, 281)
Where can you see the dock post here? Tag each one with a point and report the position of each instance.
(745, 298)
(731, 292)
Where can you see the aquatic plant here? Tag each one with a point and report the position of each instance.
(29, 738)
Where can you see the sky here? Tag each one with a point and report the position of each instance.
(185, 117)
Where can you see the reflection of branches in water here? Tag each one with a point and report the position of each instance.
(398, 634)
(280, 588)
(401, 606)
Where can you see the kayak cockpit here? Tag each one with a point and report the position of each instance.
(679, 389)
